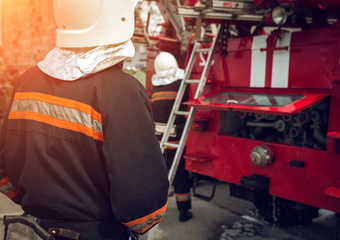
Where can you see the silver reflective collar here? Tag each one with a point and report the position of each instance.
(74, 63)
(160, 81)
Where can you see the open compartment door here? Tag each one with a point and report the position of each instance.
(282, 104)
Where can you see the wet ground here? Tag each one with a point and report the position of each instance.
(327, 226)
(228, 218)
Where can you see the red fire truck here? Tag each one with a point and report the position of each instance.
(268, 119)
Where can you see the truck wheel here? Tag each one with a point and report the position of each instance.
(281, 212)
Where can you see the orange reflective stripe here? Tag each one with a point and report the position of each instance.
(11, 194)
(183, 200)
(59, 112)
(141, 225)
(60, 102)
(148, 227)
(162, 98)
(182, 194)
(7, 188)
(164, 92)
(173, 142)
(4, 181)
(57, 123)
(146, 218)
(165, 95)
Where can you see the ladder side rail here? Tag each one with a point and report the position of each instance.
(179, 97)
(188, 123)
(172, 116)
(207, 67)
(190, 118)
(192, 111)
(191, 61)
(180, 149)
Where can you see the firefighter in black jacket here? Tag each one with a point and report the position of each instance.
(78, 148)
(166, 83)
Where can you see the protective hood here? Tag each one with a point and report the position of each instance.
(70, 64)
(159, 81)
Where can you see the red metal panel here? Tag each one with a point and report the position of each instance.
(234, 70)
(189, 2)
(312, 60)
(333, 192)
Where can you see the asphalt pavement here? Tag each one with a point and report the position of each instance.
(207, 222)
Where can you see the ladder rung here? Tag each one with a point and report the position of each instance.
(174, 145)
(185, 113)
(192, 81)
(203, 50)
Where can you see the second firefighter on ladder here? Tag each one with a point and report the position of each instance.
(166, 83)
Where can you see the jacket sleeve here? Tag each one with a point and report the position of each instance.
(135, 165)
(6, 186)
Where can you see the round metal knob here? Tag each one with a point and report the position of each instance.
(262, 155)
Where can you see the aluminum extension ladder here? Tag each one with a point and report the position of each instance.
(190, 114)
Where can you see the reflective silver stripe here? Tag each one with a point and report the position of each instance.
(141, 226)
(6, 188)
(181, 197)
(280, 71)
(56, 111)
(258, 62)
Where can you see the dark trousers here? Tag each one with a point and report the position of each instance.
(181, 181)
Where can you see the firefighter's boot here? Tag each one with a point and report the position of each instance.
(184, 216)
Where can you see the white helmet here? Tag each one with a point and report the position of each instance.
(89, 23)
(165, 65)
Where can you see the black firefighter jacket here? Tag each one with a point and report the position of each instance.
(83, 150)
